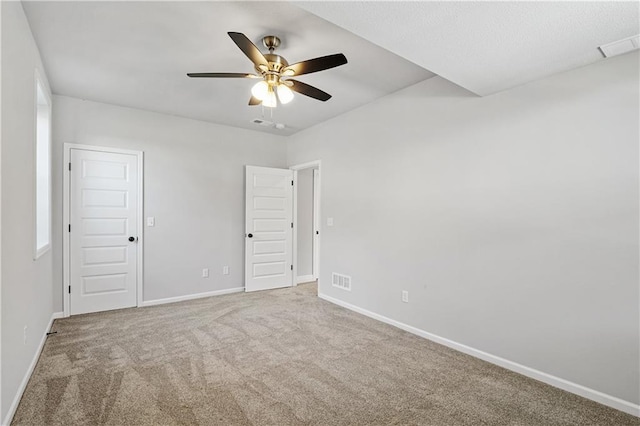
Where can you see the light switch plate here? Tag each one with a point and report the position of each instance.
(329, 221)
(151, 221)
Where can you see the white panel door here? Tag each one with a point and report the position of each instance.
(268, 227)
(104, 231)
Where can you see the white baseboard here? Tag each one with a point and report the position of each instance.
(594, 395)
(192, 296)
(27, 375)
(305, 279)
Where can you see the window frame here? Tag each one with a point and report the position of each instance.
(41, 90)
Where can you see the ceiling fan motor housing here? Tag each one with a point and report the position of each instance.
(275, 62)
(275, 65)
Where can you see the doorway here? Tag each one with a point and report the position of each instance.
(102, 203)
(268, 228)
(307, 218)
(274, 226)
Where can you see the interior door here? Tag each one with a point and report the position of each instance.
(268, 228)
(103, 231)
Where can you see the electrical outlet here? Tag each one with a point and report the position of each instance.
(225, 270)
(25, 334)
(205, 273)
(405, 296)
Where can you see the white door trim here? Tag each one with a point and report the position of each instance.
(316, 224)
(66, 211)
(316, 214)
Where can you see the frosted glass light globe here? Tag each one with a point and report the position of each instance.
(260, 90)
(270, 99)
(285, 94)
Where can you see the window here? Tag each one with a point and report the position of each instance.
(42, 170)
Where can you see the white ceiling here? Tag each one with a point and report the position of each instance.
(487, 47)
(136, 54)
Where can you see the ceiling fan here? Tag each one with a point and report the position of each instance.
(274, 72)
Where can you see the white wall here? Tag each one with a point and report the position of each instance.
(305, 222)
(194, 187)
(512, 220)
(26, 284)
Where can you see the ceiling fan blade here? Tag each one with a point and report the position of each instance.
(307, 90)
(248, 48)
(222, 75)
(315, 65)
(254, 101)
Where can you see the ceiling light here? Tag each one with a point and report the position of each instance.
(260, 90)
(284, 94)
(271, 68)
(270, 98)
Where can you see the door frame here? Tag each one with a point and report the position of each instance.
(66, 212)
(317, 164)
(315, 268)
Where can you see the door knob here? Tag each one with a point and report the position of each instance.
(250, 235)
(132, 239)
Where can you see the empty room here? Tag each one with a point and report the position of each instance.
(319, 213)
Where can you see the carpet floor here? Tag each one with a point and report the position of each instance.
(281, 357)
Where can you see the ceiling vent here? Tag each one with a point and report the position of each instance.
(620, 47)
(266, 123)
(261, 122)
(341, 281)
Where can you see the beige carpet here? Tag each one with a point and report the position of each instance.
(281, 357)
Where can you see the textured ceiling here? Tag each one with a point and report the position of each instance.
(136, 54)
(487, 47)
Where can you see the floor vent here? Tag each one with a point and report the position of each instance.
(341, 281)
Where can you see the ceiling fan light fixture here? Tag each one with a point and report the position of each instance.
(271, 67)
(260, 90)
(284, 94)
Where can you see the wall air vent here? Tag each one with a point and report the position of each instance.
(341, 281)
